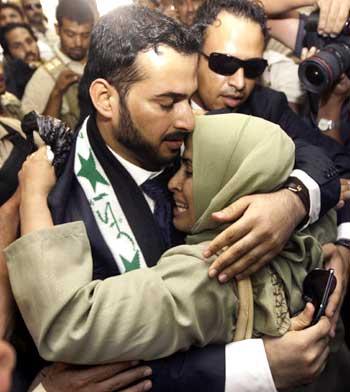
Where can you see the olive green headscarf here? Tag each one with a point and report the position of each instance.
(249, 156)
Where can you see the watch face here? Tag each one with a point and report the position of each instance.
(323, 124)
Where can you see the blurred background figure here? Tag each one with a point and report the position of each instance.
(53, 88)
(10, 105)
(21, 56)
(10, 13)
(35, 16)
(186, 10)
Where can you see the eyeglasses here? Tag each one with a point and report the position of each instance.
(34, 6)
(226, 65)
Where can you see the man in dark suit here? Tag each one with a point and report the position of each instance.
(233, 40)
(136, 88)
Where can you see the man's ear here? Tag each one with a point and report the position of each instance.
(105, 98)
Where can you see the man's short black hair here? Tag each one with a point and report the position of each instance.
(120, 36)
(76, 10)
(7, 29)
(208, 12)
(13, 6)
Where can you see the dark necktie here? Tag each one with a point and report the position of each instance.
(156, 189)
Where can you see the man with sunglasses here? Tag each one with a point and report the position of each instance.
(34, 13)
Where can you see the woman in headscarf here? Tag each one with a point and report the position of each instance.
(154, 312)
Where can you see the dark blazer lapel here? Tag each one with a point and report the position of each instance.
(68, 203)
(131, 199)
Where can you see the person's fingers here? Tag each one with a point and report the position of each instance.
(232, 254)
(104, 372)
(320, 361)
(7, 356)
(250, 252)
(125, 378)
(303, 319)
(255, 267)
(233, 211)
(337, 18)
(332, 25)
(324, 10)
(227, 237)
(142, 386)
(340, 205)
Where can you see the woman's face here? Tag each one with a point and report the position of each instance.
(181, 187)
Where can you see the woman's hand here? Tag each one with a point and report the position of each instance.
(37, 176)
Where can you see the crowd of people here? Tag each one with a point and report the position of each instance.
(168, 186)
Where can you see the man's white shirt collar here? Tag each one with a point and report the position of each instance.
(138, 174)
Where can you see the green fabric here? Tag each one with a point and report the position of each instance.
(249, 156)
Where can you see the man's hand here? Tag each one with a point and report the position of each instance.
(344, 192)
(262, 225)
(114, 377)
(65, 80)
(298, 357)
(338, 258)
(333, 15)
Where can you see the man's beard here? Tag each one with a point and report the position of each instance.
(78, 54)
(130, 137)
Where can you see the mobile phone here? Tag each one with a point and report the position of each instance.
(318, 286)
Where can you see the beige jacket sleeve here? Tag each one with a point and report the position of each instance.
(37, 92)
(144, 314)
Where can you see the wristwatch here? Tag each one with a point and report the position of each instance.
(325, 125)
(343, 242)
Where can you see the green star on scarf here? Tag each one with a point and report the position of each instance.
(133, 264)
(89, 171)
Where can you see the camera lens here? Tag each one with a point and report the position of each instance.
(321, 71)
(314, 75)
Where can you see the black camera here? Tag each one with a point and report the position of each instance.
(321, 71)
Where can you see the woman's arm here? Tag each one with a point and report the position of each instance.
(36, 179)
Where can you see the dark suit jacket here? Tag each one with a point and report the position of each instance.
(321, 157)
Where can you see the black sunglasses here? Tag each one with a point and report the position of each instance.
(318, 286)
(37, 6)
(226, 65)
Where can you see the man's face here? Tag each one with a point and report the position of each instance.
(9, 15)
(22, 45)
(156, 115)
(233, 36)
(187, 10)
(75, 38)
(33, 11)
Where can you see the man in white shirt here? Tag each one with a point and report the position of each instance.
(33, 11)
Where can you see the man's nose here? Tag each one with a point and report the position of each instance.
(237, 80)
(190, 6)
(185, 118)
(78, 40)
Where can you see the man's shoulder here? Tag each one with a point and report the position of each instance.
(261, 92)
(265, 102)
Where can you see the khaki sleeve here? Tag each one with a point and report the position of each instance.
(144, 314)
(37, 91)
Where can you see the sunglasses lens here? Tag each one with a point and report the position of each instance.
(222, 64)
(228, 65)
(254, 68)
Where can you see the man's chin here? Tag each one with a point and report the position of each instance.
(77, 56)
